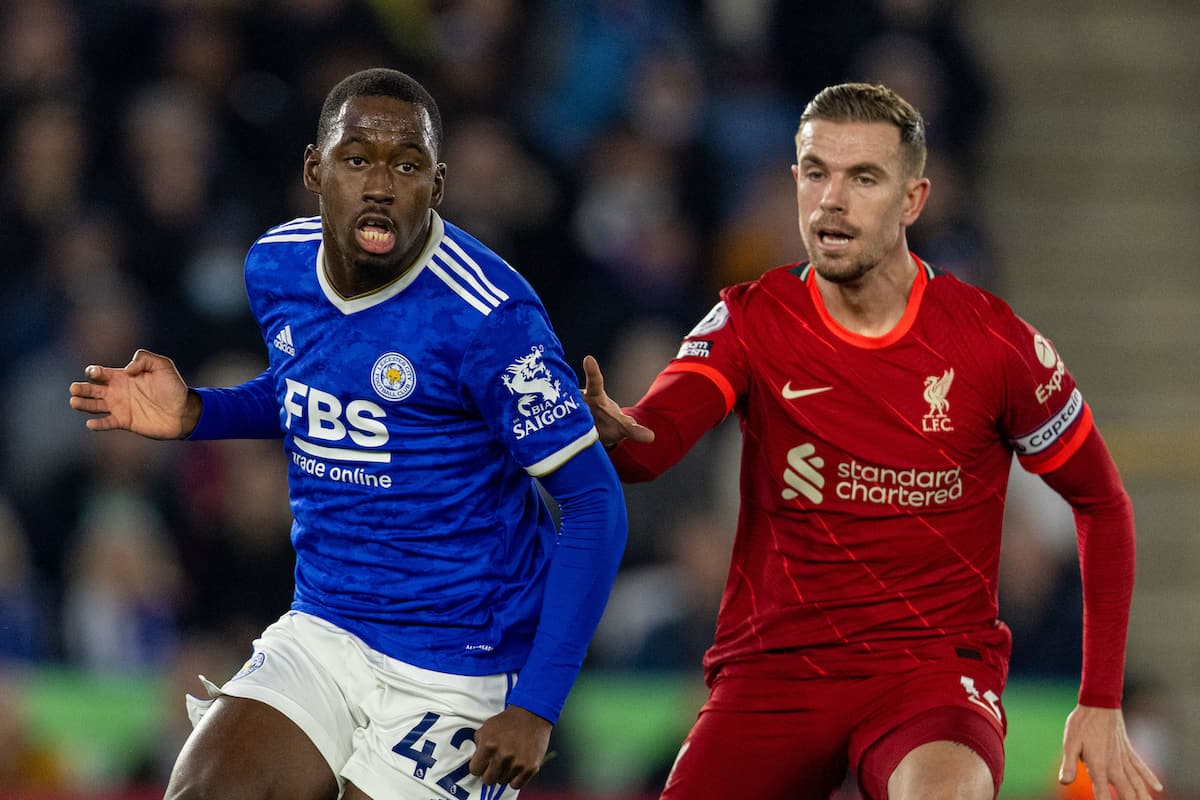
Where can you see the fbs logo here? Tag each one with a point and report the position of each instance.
(803, 475)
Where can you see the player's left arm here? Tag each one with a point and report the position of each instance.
(510, 746)
(582, 568)
(1095, 731)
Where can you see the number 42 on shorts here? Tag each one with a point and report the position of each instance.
(425, 759)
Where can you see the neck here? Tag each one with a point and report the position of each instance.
(873, 304)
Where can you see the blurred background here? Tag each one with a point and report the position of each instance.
(629, 157)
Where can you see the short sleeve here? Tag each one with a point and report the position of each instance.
(713, 350)
(1046, 419)
(517, 377)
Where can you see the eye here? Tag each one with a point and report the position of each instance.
(814, 174)
(865, 180)
(407, 167)
(356, 161)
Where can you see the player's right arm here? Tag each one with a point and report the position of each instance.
(612, 423)
(149, 397)
(646, 440)
(693, 394)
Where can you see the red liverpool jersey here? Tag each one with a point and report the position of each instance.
(874, 471)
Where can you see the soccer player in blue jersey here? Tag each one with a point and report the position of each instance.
(439, 618)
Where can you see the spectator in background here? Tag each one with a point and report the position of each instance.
(41, 446)
(234, 531)
(125, 591)
(40, 53)
(46, 192)
(507, 197)
(23, 627)
(700, 545)
(1041, 597)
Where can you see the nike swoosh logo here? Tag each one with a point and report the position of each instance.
(791, 394)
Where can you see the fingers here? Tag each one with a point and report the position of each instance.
(1070, 762)
(1099, 776)
(593, 378)
(82, 389)
(97, 374)
(1129, 778)
(518, 781)
(635, 430)
(1146, 773)
(91, 404)
(494, 770)
(106, 423)
(89, 398)
(1134, 779)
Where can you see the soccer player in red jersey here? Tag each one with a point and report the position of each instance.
(881, 403)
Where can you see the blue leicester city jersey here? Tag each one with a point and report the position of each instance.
(414, 421)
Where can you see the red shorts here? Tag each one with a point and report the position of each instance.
(782, 739)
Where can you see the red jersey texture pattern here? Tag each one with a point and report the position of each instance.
(874, 472)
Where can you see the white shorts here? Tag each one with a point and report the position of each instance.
(391, 729)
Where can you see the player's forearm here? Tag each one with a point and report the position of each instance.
(246, 411)
(581, 575)
(679, 407)
(1107, 565)
(1105, 530)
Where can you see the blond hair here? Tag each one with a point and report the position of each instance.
(869, 102)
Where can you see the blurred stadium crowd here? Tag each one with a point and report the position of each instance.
(628, 156)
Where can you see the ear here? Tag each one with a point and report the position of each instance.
(439, 185)
(312, 169)
(915, 195)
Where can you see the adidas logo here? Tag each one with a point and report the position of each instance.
(283, 340)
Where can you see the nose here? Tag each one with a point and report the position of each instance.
(377, 185)
(833, 199)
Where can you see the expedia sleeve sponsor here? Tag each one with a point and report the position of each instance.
(1048, 433)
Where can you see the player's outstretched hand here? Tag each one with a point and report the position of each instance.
(510, 746)
(1097, 737)
(146, 396)
(612, 423)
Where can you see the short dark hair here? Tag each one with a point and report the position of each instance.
(871, 102)
(379, 82)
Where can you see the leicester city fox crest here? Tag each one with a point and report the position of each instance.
(393, 376)
(541, 397)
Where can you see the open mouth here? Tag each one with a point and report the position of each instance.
(375, 236)
(833, 238)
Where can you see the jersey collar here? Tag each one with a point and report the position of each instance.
(924, 273)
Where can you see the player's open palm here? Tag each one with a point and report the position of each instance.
(612, 423)
(147, 396)
(1097, 737)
